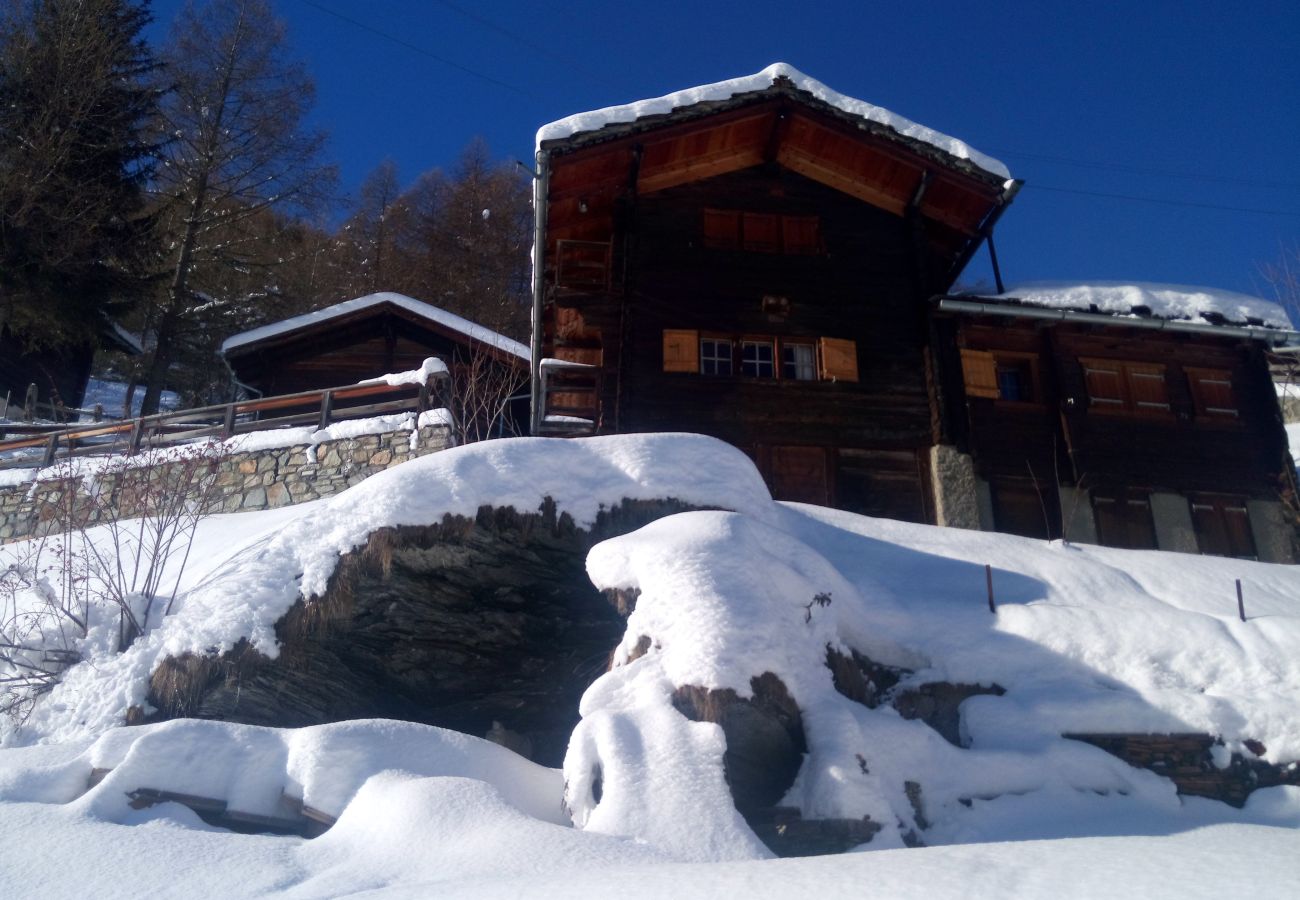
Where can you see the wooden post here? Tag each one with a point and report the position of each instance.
(988, 580)
(137, 435)
(228, 422)
(1241, 604)
(29, 403)
(99, 412)
(326, 407)
(51, 448)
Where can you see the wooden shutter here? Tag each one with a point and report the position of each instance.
(839, 359)
(1212, 392)
(762, 232)
(681, 350)
(800, 234)
(1105, 382)
(1148, 388)
(721, 229)
(980, 372)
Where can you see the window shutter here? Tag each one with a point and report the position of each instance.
(1147, 387)
(681, 350)
(762, 232)
(1105, 383)
(980, 372)
(839, 359)
(800, 234)
(721, 229)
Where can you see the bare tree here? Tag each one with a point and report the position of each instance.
(238, 146)
(1283, 279)
(487, 396)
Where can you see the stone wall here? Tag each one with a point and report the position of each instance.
(246, 480)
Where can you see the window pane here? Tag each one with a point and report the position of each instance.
(798, 362)
(715, 357)
(756, 359)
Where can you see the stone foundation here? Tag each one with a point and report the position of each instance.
(246, 480)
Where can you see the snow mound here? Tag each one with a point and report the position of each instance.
(724, 90)
(1085, 639)
(253, 577)
(1165, 301)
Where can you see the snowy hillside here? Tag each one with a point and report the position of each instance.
(1085, 639)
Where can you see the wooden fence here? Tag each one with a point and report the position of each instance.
(321, 408)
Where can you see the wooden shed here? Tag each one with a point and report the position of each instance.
(367, 337)
(751, 260)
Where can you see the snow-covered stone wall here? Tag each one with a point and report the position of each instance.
(276, 469)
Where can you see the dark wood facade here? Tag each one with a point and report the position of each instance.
(756, 270)
(1119, 411)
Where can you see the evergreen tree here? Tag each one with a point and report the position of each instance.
(75, 155)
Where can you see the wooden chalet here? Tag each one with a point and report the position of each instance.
(1119, 427)
(367, 337)
(751, 260)
(763, 259)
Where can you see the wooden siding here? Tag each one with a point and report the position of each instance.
(1065, 435)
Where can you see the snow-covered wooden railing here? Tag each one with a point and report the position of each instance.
(383, 396)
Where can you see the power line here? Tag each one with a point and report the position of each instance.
(566, 62)
(1146, 170)
(418, 49)
(1164, 202)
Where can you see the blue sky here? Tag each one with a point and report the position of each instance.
(1193, 104)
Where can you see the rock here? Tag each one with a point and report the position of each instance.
(765, 738)
(463, 624)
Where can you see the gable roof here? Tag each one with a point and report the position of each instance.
(776, 78)
(371, 304)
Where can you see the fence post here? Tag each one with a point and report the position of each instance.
(51, 448)
(1241, 604)
(326, 407)
(29, 403)
(137, 435)
(228, 422)
(988, 580)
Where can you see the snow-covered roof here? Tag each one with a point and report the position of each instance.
(423, 310)
(1148, 300)
(724, 90)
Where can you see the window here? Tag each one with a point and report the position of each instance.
(1212, 393)
(715, 356)
(1127, 387)
(1222, 526)
(760, 356)
(757, 359)
(1124, 520)
(1000, 375)
(798, 362)
(762, 232)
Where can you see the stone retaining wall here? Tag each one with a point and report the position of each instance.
(246, 480)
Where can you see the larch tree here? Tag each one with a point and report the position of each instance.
(76, 149)
(238, 147)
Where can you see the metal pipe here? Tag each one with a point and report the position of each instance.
(1009, 191)
(1277, 338)
(541, 183)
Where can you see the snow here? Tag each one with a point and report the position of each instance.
(428, 369)
(111, 395)
(1084, 639)
(423, 310)
(723, 90)
(1165, 301)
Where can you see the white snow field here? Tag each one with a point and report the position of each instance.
(1084, 639)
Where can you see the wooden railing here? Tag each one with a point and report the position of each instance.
(322, 407)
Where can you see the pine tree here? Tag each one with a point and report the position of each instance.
(75, 154)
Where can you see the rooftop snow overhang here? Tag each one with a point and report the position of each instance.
(298, 328)
(776, 116)
(1212, 323)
